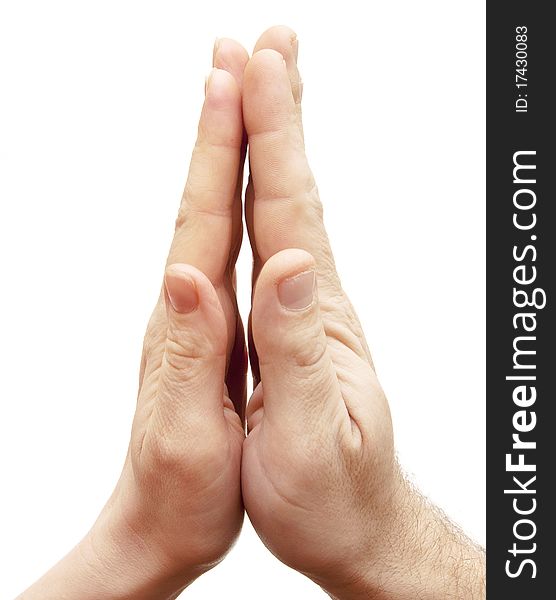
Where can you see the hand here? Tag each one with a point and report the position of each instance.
(177, 507)
(320, 480)
(319, 476)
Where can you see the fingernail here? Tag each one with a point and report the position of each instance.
(181, 290)
(295, 46)
(215, 49)
(217, 82)
(297, 292)
(207, 80)
(216, 44)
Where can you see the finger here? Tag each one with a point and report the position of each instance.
(204, 225)
(283, 208)
(286, 209)
(232, 57)
(191, 385)
(208, 227)
(284, 40)
(299, 379)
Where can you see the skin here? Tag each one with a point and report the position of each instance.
(317, 472)
(177, 507)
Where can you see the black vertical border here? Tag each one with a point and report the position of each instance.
(508, 132)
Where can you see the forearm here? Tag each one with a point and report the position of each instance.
(110, 563)
(419, 554)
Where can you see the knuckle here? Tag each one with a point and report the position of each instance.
(183, 211)
(313, 201)
(306, 350)
(309, 351)
(188, 349)
(182, 218)
(182, 353)
(202, 198)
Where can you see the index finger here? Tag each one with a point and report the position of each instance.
(286, 208)
(208, 210)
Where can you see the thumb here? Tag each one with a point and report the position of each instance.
(298, 377)
(191, 383)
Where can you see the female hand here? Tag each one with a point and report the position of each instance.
(177, 507)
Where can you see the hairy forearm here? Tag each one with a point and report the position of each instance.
(419, 554)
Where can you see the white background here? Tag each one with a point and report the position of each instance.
(98, 110)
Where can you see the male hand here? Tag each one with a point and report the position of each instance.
(320, 480)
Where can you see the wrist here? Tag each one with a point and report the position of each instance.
(416, 553)
(123, 562)
(113, 562)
